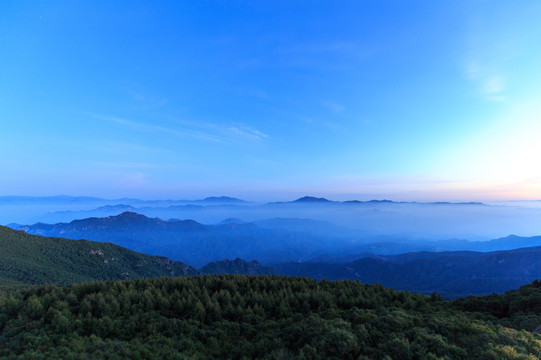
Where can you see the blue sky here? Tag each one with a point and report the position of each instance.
(410, 100)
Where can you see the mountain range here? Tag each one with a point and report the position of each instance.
(452, 274)
(435, 221)
(34, 259)
(188, 240)
(270, 241)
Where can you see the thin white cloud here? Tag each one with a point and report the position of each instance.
(125, 165)
(472, 70)
(347, 47)
(247, 133)
(489, 84)
(147, 102)
(484, 66)
(493, 88)
(236, 131)
(333, 106)
(493, 85)
(488, 81)
(161, 129)
(199, 130)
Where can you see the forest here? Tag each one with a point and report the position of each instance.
(33, 260)
(262, 317)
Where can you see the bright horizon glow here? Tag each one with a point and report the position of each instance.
(271, 100)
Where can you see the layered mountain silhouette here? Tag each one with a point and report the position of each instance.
(270, 241)
(31, 259)
(353, 219)
(453, 274)
(188, 240)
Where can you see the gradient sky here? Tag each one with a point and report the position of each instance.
(409, 100)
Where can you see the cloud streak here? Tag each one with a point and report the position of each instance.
(335, 107)
(490, 83)
(484, 62)
(201, 131)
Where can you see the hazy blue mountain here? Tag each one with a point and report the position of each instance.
(233, 221)
(63, 208)
(120, 207)
(506, 243)
(311, 199)
(190, 241)
(343, 259)
(221, 200)
(452, 274)
(360, 221)
(268, 241)
(32, 259)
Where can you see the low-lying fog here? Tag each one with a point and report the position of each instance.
(471, 221)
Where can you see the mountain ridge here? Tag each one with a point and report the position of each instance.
(237, 266)
(269, 241)
(33, 259)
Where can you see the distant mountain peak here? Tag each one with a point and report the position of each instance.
(222, 199)
(127, 217)
(311, 199)
(129, 214)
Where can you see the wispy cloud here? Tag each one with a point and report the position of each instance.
(151, 103)
(199, 130)
(490, 83)
(333, 106)
(493, 85)
(147, 102)
(247, 132)
(160, 129)
(348, 47)
(125, 165)
(493, 88)
(226, 132)
(484, 68)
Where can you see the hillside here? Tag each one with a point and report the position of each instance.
(237, 266)
(30, 259)
(248, 317)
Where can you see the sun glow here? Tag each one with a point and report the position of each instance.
(505, 157)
